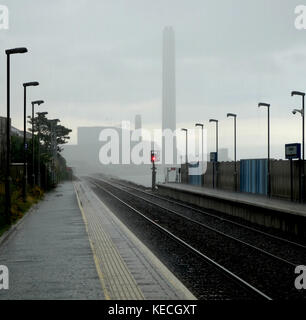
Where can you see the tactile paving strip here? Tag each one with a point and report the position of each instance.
(117, 281)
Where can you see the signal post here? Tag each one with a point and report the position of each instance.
(153, 159)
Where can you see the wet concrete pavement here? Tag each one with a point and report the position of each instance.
(49, 256)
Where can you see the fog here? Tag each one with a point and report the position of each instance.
(100, 62)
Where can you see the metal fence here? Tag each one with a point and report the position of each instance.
(252, 177)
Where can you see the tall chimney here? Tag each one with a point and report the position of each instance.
(168, 88)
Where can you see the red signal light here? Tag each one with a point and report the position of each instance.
(153, 157)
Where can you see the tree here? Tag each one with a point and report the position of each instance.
(43, 125)
(51, 136)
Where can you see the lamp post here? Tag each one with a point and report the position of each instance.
(25, 177)
(215, 165)
(261, 104)
(38, 156)
(38, 102)
(8, 135)
(302, 112)
(235, 146)
(202, 127)
(186, 130)
(216, 121)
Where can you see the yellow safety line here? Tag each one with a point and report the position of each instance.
(100, 274)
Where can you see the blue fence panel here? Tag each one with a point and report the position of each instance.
(253, 176)
(194, 180)
(195, 171)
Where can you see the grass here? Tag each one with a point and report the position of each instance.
(19, 207)
(3, 229)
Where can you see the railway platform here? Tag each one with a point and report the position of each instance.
(275, 213)
(71, 246)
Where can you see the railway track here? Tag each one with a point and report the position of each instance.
(213, 229)
(237, 248)
(297, 257)
(215, 216)
(283, 249)
(227, 273)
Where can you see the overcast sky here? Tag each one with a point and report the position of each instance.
(99, 62)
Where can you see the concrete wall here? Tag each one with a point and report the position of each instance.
(253, 212)
(184, 173)
(280, 179)
(224, 178)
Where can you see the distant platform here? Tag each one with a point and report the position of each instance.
(275, 213)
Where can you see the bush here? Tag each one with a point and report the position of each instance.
(19, 207)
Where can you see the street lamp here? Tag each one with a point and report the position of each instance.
(202, 126)
(24, 183)
(216, 121)
(235, 146)
(38, 102)
(215, 165)
(8, 135)
(186, 130)
(261, 104)
(302, 112)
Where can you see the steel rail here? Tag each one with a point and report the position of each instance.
(206, 226)
(214, 216)
(191, 248)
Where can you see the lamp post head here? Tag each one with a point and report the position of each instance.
(31, 84)
(297, 93)
(39, 102)
(199, 125)
(262, 104)
(294, 111)
(232, 115)
(213, 120)
(16, 50)
(183, 129)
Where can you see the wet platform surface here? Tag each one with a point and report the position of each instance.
(71, 246)
(49, 256)
(128, 268)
